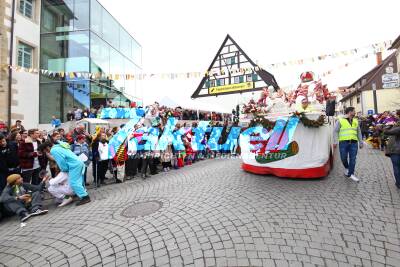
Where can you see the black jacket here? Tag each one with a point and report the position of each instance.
(393, 146)
(9, 194)
(4, 152)
(13, 159)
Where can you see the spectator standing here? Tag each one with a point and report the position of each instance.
(3, 128)
(61, 131)
(81, 149)
(18, 127)
(92, 113)
(95, 153)
(70, 115)
(30, 158)
(393, 149)
(85, 113)
(102, 165)
(4, 152)
(24, 135)
(364, 128)
(79, 130)
(77, 113)
(12, 158)
(55, 123)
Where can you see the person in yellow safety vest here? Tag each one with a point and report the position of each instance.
(347, 131)
(305, 106)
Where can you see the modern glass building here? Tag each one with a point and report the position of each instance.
(87, 54)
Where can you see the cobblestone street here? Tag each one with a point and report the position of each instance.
(214, 214)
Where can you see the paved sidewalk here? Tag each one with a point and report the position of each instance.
(214, 214)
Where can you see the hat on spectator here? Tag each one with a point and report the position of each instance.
(12, 178)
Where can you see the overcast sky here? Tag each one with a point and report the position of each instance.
(184, 36)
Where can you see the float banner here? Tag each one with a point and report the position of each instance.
(231, 88)
(232, 141)
(121, 113)
(167, 137)
(199, 140)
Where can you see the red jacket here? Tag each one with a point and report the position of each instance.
(27, 155)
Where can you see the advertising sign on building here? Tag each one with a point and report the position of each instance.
(390, 80)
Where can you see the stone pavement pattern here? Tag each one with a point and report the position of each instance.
(214, 214)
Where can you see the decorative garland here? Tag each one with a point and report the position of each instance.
(268, 124)
(310, 123)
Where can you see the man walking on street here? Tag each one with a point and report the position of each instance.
(347, 131)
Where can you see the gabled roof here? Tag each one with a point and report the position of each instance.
(365, 76)
(370, 75)
(396, 43)
(263, 78)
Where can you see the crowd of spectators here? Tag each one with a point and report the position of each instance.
(77, 113)
(373, 126)
(25, 157)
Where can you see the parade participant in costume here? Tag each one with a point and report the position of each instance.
(131, 165)
(60, 189)
(19, 197)
(348, 131)
(68, 162)
(305, 106)
(307, 84)
(263, 98)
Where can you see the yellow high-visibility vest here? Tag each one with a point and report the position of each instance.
(347, 131)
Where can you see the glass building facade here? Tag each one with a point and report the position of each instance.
(87, 55)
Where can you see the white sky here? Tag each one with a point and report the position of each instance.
(184, 36)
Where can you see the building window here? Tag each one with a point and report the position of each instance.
(25, 55)
(358, 100)
(26, 8)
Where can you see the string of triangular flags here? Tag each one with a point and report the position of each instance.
(373, 49)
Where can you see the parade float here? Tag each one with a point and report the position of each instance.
(289, 134)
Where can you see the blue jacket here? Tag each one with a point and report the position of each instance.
(55, 122)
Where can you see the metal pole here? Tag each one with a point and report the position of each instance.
(375, 98)
(10, 63)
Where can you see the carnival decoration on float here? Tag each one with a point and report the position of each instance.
(288, 125)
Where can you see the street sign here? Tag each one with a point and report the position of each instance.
(390, 80)
(370, 112)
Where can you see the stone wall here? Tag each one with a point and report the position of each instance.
(5, 21)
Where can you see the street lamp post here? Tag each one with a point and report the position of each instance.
(375, 98)
(10, 64)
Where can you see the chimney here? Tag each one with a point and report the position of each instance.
(378, 58)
